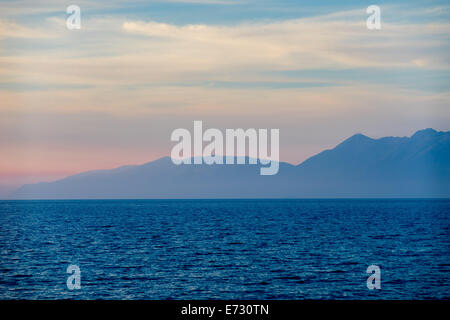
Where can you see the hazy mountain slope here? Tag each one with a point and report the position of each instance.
(360, 166)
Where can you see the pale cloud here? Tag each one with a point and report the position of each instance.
(111, 51)
(96, 54)
(13, 30)
(29, 7)
(319, 42)
(111, 57)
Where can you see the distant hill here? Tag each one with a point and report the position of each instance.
(359, 167)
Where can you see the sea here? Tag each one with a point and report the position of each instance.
(225, 249)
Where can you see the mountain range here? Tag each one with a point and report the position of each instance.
(359, 167)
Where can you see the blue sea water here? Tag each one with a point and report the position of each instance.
(225, 249)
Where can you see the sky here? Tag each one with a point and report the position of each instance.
(111, 92)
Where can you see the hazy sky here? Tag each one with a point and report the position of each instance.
(112, 92)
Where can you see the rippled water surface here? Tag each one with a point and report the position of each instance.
(219, 249)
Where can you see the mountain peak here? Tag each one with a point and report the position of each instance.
(355, 139)
(429, 132)
(359, 136)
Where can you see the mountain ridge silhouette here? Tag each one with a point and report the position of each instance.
(358, 167)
